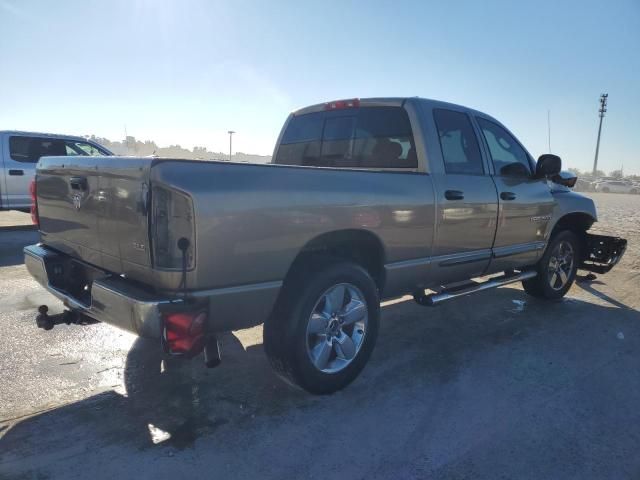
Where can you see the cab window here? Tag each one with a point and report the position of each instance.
(30, 149)
(74, 148)
(458, 143)
(366, 137)
(509, 158)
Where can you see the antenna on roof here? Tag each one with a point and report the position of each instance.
(549, 128)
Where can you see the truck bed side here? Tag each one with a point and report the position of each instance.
(253, 220)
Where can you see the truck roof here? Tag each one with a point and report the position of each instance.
(44, 134)
(387, 102)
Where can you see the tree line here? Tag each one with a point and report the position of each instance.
(617, 174)
(131, 146)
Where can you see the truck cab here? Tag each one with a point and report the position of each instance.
(492, 211)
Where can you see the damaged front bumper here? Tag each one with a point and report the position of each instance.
(602, 252)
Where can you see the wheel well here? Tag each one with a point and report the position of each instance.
(577, 222)
(359, 246)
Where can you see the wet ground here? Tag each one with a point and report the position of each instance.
(497, 385)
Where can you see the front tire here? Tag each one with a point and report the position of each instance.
(557, 268)
(324, 327)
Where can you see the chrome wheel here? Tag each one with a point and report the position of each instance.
(337, 327)
(560, 265)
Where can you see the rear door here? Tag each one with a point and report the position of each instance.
(3, 185)
(21, 153)
(525, 203)
(465, 196)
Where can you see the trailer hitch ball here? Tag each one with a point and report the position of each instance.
(43, 320)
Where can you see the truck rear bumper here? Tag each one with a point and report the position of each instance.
(120, 302)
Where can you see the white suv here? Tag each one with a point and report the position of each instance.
(616, 186)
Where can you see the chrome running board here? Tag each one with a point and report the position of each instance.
(467, 289)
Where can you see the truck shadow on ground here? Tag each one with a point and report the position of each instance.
(418, 351)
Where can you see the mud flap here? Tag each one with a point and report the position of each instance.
(602, 252)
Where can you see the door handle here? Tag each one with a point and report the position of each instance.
(508, 196)
(78, 183)
(454, 195)
(16, 172)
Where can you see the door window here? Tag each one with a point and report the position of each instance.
(509, 158)
(30, 149)
(74, 148)
(458, 143)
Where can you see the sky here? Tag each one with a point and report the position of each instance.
(185, 72)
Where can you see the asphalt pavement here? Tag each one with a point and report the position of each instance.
(496, 385)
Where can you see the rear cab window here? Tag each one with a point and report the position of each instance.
(363, 137)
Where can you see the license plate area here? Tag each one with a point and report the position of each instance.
(73, 278)
(602, 252)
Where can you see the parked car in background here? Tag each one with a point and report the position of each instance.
(583, 185)
(19, 153)
(366, 200)
(616, 186)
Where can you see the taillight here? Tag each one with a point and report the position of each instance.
(340, 104)
(172, 221)
(184, 333)
(34, 202)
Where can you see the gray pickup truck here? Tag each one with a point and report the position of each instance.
(365, 199)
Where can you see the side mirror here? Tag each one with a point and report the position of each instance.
(565, 178)
(548, 165)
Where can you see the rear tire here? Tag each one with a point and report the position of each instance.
(324, 327)
(605, 190)
(557, 268)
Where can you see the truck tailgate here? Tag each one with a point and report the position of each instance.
(96, 209)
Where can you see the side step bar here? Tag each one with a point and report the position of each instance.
(467, 289)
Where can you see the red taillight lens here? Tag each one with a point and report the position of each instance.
(34, 204)
(339, 104)
(184, 333)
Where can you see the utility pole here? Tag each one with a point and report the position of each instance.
(601, 112)
(230, 132)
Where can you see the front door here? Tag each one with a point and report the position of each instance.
(525, 203)
(466, 201)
